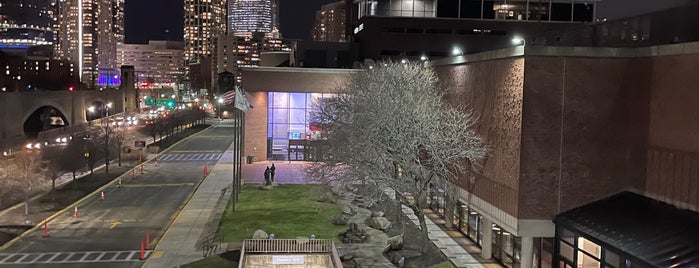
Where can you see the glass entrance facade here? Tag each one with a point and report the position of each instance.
(289, 127)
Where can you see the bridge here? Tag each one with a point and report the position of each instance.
(24, 115)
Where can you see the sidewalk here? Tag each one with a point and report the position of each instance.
(178, 245)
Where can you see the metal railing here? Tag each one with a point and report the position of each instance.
(302, 245)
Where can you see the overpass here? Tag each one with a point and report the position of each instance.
(24, 114)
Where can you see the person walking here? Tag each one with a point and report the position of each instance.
(272, 169)
(267, 176)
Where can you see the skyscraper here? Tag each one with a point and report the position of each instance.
(330, 23)
(253, 16)
(93, 45)
(26, 22)
(203, 20)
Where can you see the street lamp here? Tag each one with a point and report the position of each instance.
(220, 100)
(519, 41)
(457, 51)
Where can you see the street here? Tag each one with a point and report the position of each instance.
(110, 231)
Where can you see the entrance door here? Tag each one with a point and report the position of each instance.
(296, 150)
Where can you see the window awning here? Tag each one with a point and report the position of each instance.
(659, 234)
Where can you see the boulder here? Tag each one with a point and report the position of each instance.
(266, 187)
(347, 257)
(395, 242)
(377, 213)
(340, 219)
(348, 211)
(327, 197)
(379, 223)
(259, 234)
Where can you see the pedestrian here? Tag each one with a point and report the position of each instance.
(267, 176)
(272, 169)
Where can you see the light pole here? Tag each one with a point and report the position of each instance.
(519, 41)
(220, 100)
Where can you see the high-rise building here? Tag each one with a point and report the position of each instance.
(253, 16)
(203, 20)
(26, 23)
(88, 31)
(235, 51)
(160, 63)
(330, 23)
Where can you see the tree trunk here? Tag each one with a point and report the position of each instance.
(119, 157)
(417, 209)
(26, 203)
(75, 184)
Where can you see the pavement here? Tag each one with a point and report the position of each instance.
(177, 247)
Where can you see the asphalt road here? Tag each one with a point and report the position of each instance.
(108, 233)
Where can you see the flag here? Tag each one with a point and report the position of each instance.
(241, 102)
(228, 97)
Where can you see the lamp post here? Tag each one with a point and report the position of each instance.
(519, 41)
(220, 100)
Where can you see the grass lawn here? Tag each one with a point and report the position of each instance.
(288, 211)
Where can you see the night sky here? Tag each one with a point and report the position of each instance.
(163, 19)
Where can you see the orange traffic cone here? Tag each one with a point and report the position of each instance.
(133, 174)
(148, 240)
(119, 183)
(143, 252)
(46, 229)
(206, 170)
(75, 213)
(102, 196)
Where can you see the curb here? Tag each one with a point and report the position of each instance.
(74, 204)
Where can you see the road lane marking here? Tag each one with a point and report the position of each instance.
(157, 185)
(72, 257)
(195, 151)
(114, 224)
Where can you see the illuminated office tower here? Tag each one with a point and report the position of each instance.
(93, 45)
(118, 20)
(253, 16)
(203, 20)
(330, 23)
(25, 23)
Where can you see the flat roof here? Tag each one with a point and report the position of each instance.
(659, 234)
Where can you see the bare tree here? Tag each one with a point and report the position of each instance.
(118, 138)
(28, 175)
(74, 156)
(390, 129)
(51, 157)
(94, 149)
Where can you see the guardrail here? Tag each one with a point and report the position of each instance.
(301, 245)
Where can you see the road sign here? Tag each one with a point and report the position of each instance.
(140, 144)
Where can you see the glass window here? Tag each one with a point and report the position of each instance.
(280, 131)
(280, 99)
(589, 247)
(586, 261)
(297, 116)
(297, 132)
(568, 236)
(566, 250)
(280, 116)
(297, 100)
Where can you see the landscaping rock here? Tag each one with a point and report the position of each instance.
(327, 197)
(379, 223)
(340, 219)
(396, 242)
(348, 211)
(377, 213)
(347, 257)
(259, 234)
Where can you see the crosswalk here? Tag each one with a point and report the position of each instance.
(175, 157)
(72, 257)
